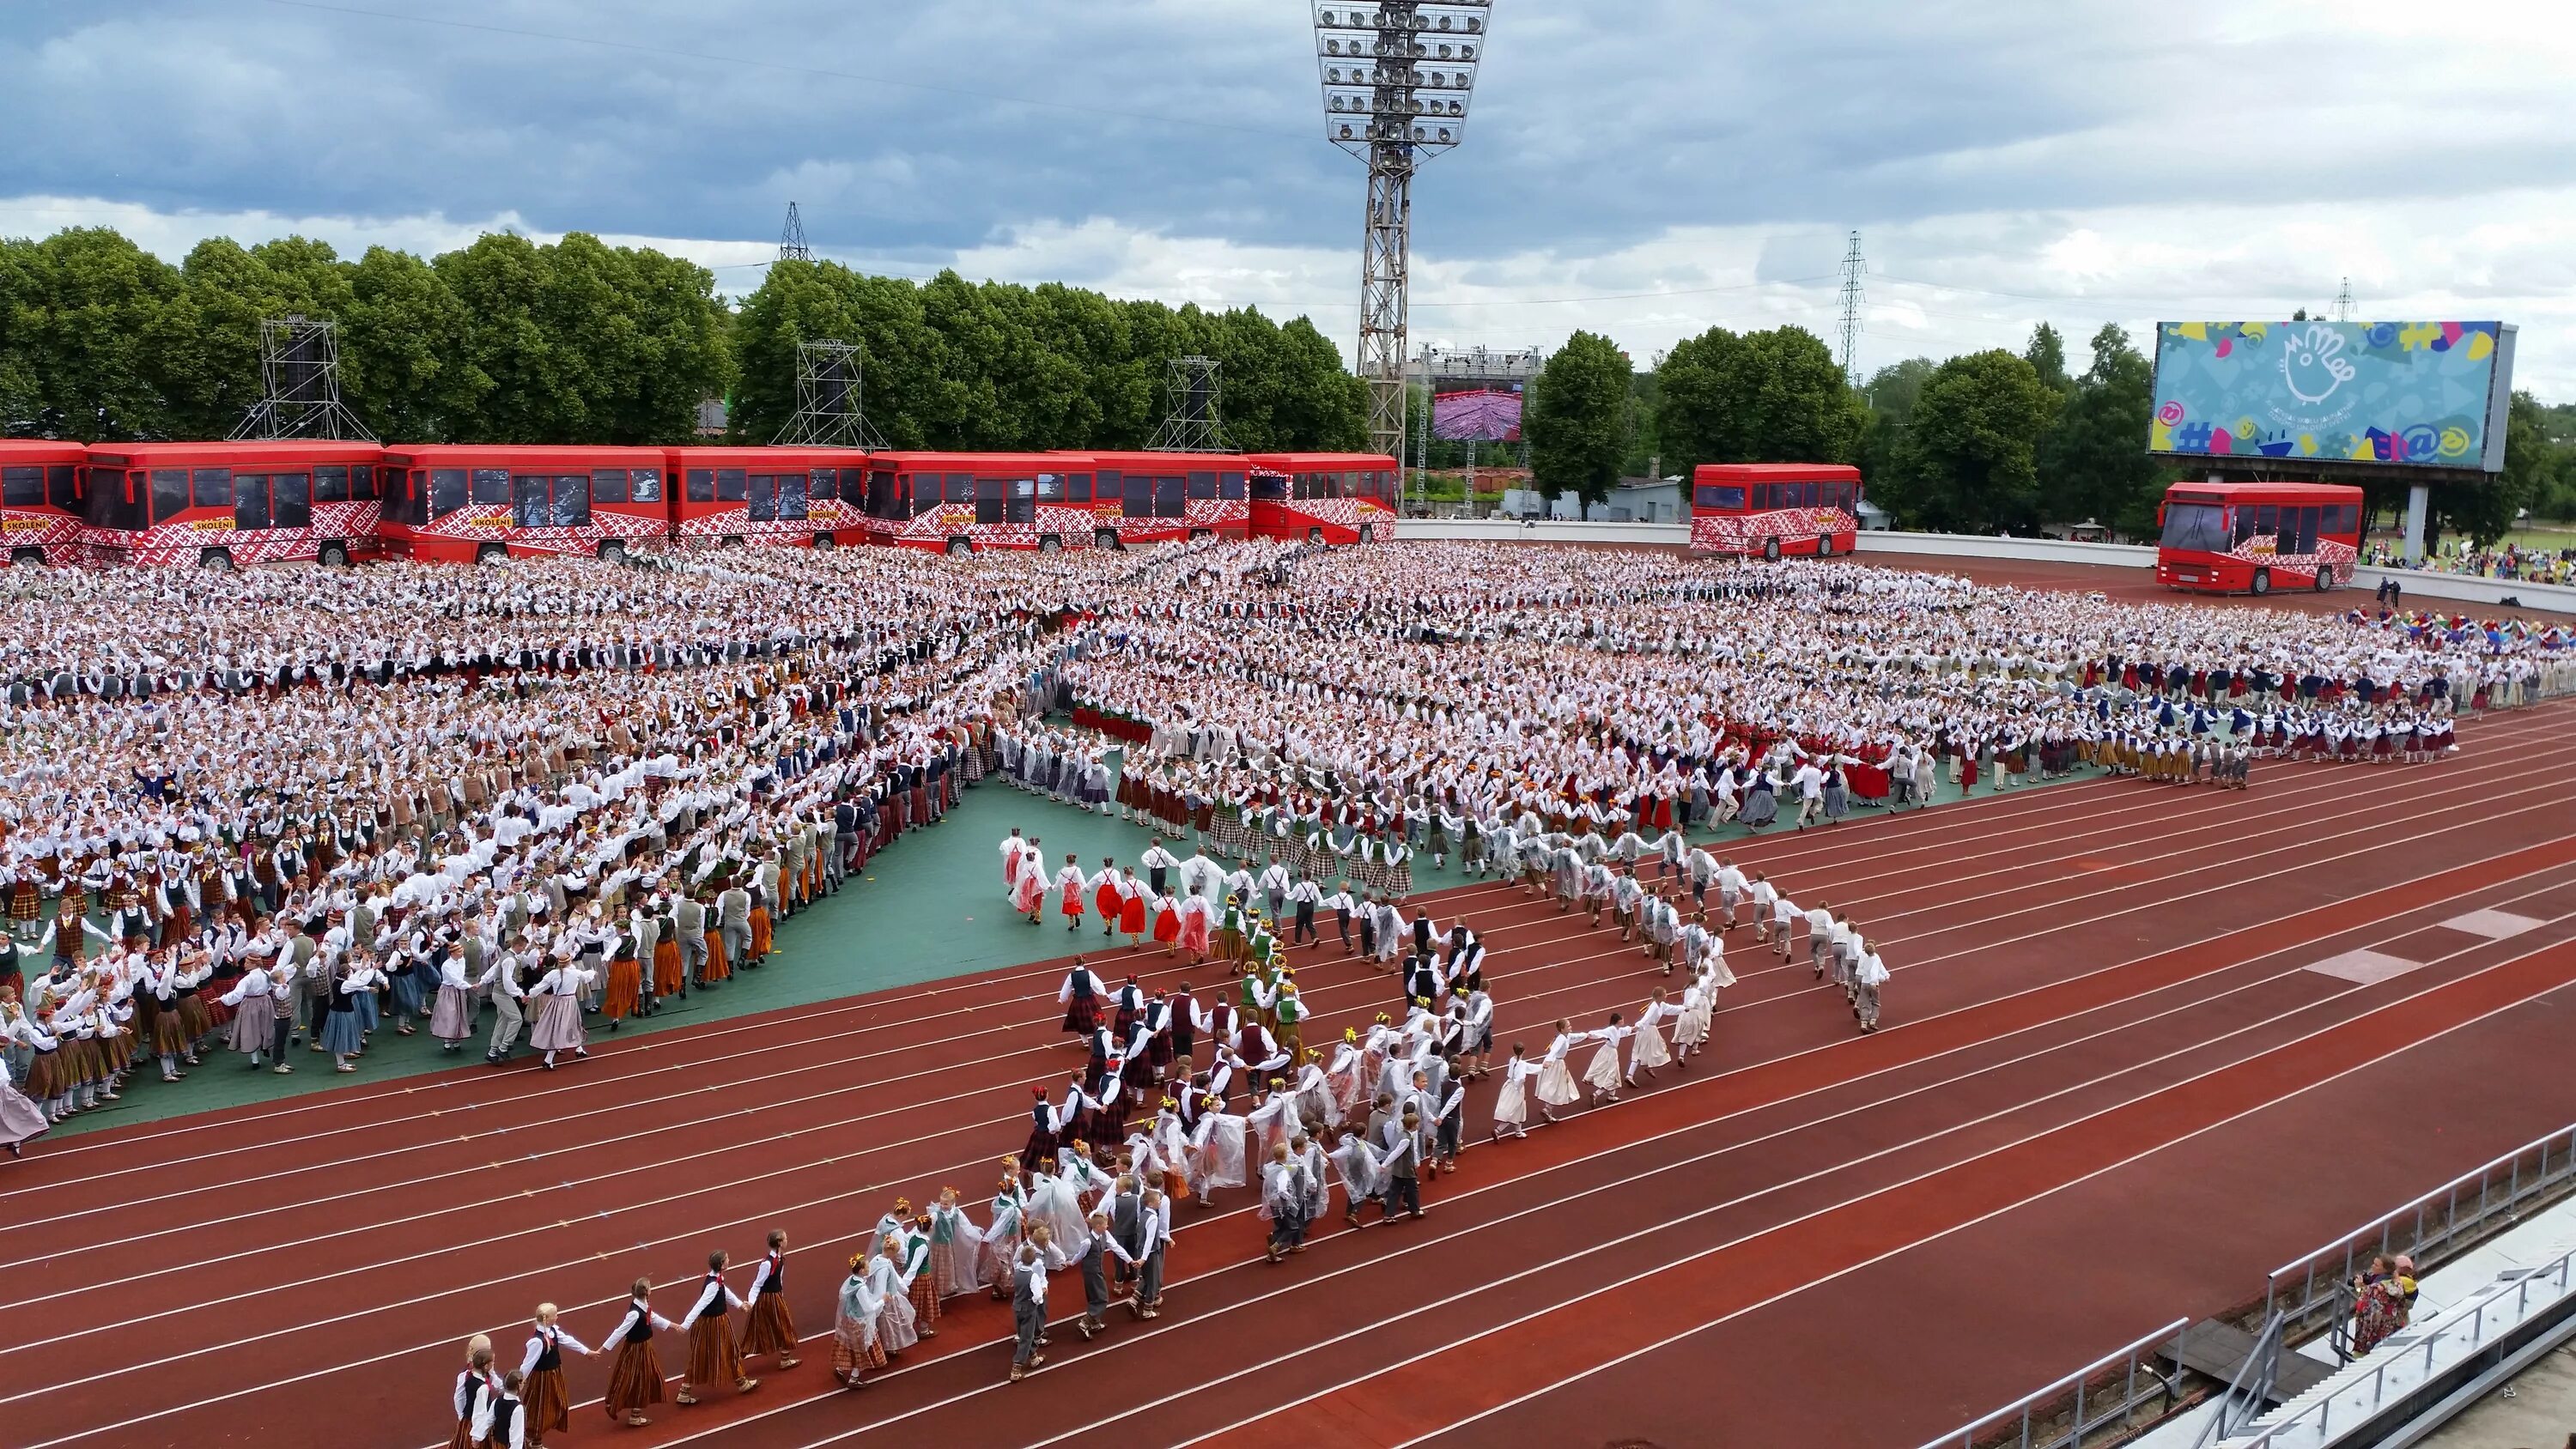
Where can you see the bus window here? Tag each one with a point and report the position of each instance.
(608, 485)
(2195, 527)
(250, 501)
(1269, 487)
(446, 491)
(760, 498)
(1023, 502)
(1171, 497)
(2302, 528)
(22, 487)
(884, 501)
(702, 485)
(491, 487)
(992, 499)
(1202, 485)
(213, 487)
(1137, 500)
(1050, 489)
(290, 501)
(795, 500)
(169, 493)
(331, 483)
(644, 485)
(1077, 488)
(62, 486)
(105, 485)
(1724, 498)
(362, 483)
(733, 485)
(823, 483)
(527, 499)
(572, 500)
(406, 499)
(960, 488)
(1229, 486)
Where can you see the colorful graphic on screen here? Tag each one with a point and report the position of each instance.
(1485, 415)
(2425, 394)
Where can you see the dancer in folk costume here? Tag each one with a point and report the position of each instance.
(1556, 1078)
(1080, 997)
(855, 1349)
(1356, 1164)
(635, 1375)
(770, 1328)
(1068, 888)
(1869, 975)
(1028, 891)
(1511, 1100)
(473, 1386)
(502, 1422)
(955, 1243)
(1603, 1073)
(1000, 1243)
(556, 999)
(1342, 1078)
(714, 1356)
(1648, 1051)
(1216, 1150)
(897, 1326)
(541, 1376)
(1108, 895)
(1690, 1029)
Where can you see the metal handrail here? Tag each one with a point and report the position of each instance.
(2250, 1392)
(2429, 1223)
(2129, 1360)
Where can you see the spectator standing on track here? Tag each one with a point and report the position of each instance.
(635, 1375)
(714, 1356)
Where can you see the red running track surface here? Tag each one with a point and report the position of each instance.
(2109, 1094)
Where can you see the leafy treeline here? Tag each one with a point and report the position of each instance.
(507, 340)
(1984, 442)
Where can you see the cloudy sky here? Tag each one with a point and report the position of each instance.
(1644, 168)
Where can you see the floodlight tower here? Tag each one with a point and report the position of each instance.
(1397, 75)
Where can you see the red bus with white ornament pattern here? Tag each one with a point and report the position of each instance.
(473, 503)
(1774, 510)
(805, 497)
(969, 502)
(2252, 538)
(1147, 498)
(231, 505)
(1324, 497)
(40, 500)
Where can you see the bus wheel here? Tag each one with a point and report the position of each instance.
(730, 540)
(1050, 544)
(957, 546)
(2325, 577)
(1368, 533)
(1314, 535)
(1199, 533)
(613, 551)
(26, 556)
(1771, 550)
(492, 553)
(1824, 545)
(1105, 538)
(335, 555)
(2262, 582)
(218, 559)
(825, 540)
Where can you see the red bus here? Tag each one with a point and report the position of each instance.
(1324, 497)
(2251, 538)
(808, 497)
(1774, 509)
(467, 503)
(230, 505)
(968, 502)
(1141, 498)
(40, 500)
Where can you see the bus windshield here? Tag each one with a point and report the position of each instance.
(2196, 527)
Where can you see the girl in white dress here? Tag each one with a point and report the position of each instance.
(1001, 1242)
(1511, 1102)
(1603, 1074)
(1690, 1031)
(1648, 1051)
(1216, 1151)
(1055, 1201)
(1342, 1079)
(1555, 1079)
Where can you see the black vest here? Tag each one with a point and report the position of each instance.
(643, 1330)
(505, 1413)
(551, 1356)
(1042, 1120)
(776, 1282)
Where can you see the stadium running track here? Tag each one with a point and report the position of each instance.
(2109, 1093)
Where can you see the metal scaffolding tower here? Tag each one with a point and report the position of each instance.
(1191, 422)
(299, 374)
(2343, 302)
(1397, 76)
(1853, 297)
(829, 413)
(791, 238)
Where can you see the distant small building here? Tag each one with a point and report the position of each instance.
(711, 418)
(1873, 519)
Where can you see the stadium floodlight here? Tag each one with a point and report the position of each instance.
(1397, 76)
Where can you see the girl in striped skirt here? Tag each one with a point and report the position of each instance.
(635, 1376)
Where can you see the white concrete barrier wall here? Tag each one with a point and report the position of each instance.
(2459, 588)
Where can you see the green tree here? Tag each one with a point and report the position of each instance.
(2094, 463)
(2046, 354)
(1893, 388)
(1578, 419)
(1968, 459)
(96, 309)
(1762, 397)
(400, 341)
(21, 397)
